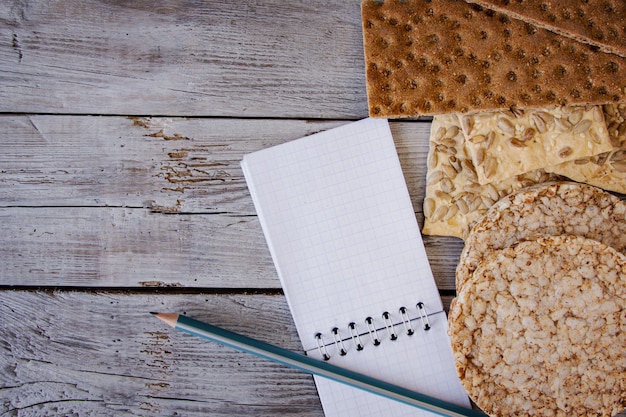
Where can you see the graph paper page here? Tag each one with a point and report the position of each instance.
(343, 236)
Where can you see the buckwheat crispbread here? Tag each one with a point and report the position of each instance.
(454, 199)
(448, 56)
(553, 208)
(606, 170)
(541, 330)
(601, 23)
(505, 144)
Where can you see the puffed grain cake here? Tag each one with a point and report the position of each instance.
(454, 199)
(505, 144)
(553, 208)
(540, 330)
(601, 23)
(606, 170)
(447, 56)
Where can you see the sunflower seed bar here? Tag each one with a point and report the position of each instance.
(454, 199)
(505, 144)
(606, 170)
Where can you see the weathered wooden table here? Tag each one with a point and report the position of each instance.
(123, 125)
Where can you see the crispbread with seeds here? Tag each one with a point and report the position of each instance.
(553, 208)
(503, 144)
(606, 170)
(540, 330)
(447, 56)
(601, 23)
(454, 199)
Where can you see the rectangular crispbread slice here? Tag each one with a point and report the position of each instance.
(448, 56)
(506, 144)
(600, 23)
(606, 170)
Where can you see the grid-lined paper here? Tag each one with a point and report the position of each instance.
(341, 229)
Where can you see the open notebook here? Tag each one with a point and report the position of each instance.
(341, 230)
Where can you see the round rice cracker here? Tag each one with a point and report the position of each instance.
(552, 208)
(540, 330)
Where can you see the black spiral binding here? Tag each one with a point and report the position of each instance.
(354, 334)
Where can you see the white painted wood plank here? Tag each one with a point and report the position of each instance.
(75, 353)
(203, 58)
(84, 353)
(173, 165)
(126, 247)
(165, 164)
(82, 200)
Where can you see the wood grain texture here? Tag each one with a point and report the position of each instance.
(103, 354)
(171, 165)
(84, 353)
(300, 59)
(127, 202)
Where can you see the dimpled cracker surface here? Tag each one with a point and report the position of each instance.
(606, 170)
(448, 56)
(553, 208)
(454, 199)
(503, 144)
(541, 329)
(601, 23)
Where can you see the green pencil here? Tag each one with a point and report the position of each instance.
(314, 366)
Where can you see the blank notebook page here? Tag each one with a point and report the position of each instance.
(343, 236)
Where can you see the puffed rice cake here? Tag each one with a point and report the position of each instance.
(540, 330)
(551, 208)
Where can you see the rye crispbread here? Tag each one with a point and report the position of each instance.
(553, 208)
(448, 56)
(454, 198)
(541, 329)
(601, 23)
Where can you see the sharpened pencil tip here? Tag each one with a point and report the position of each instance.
(153, 313)
(168, 318)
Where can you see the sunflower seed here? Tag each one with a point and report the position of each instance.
(582, 126)
(439, 213)
(467, 123)
(515, 142)
(432, 160)
(455, 163)
(565, 152)
(478, 139)
(449, 171)
(452, 131)
(446, 185)
(528, 134)
(444, 197)
(429, 207)
(441, 132)
(449, 142)
(452, 211)
(506, 126)
(469, 170)
(562, 124)
(538, 122)
(489, 166)
(618, 156)
(575, 117)
(479, 158)
(462, 206)
(598, 115)
(619, 166)
(434, 177)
